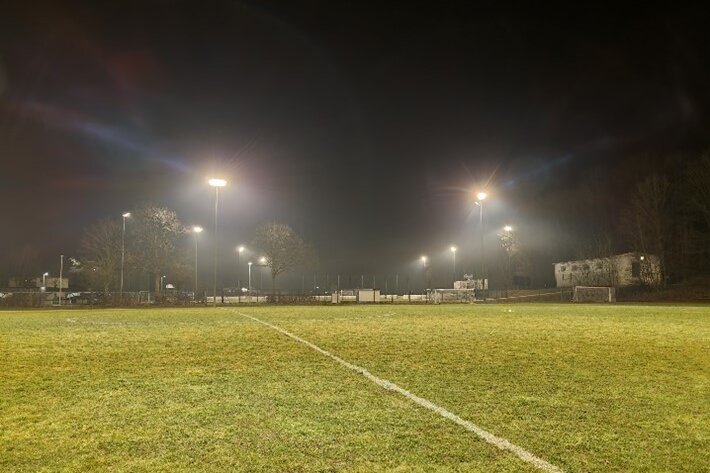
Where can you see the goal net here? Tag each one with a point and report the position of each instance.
(594, 294)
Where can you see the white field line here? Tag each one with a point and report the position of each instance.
(494, 440)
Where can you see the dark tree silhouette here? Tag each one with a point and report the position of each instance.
(283, 248)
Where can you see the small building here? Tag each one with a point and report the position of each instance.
(469, 282)
(626, 269)
(368, 295)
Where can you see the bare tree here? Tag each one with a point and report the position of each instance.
(699, 186)
(101, 250)
(646, 221)
(511, 246)
(157, 234)
(283, 248)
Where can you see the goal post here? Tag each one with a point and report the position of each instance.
(594, 294)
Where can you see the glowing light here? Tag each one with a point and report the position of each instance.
(240, 248)
(508, 228)
(424, 259)
(250, 263)
(217, 182)
(481, 196)
(45, 274)
(197, 229)
(262, 260)
(126, 214)
(453, 249)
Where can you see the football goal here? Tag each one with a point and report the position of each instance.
(594, 294)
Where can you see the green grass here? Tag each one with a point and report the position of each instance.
(587, 388)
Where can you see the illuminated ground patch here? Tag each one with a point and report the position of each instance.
(587, 388)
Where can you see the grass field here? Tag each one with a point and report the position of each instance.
(586, 388)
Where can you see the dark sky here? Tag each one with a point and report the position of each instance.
(363, 125)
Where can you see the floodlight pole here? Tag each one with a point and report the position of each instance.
(480, 197)
(425, 266)
(480, 223)
(214, 249)
(216, 183)
(240, 248)
(196, 230)
(61, 272)
(249, 280)
(123, 250)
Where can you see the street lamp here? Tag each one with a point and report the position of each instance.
(196, 230)
(481, 196)
(44, 281)
(508, 228)
(123, 250)
(453, 253)
(240, 250)
(216, 183)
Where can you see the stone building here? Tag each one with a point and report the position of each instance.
(626, 269)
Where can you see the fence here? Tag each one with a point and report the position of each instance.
(434, 296)
(26, 298)
(176, 298)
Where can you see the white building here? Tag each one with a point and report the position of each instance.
(627, 269)
(470, 283)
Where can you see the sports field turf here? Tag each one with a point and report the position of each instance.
(586, 388)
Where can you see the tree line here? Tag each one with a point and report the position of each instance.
(665, 212)
(156, 243)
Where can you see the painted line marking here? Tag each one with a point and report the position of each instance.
(492, 439)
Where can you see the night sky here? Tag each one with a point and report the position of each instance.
(362, 125)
